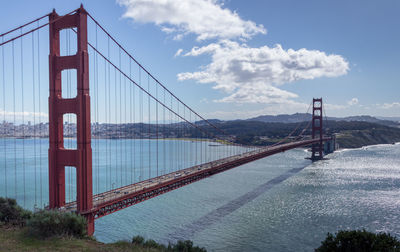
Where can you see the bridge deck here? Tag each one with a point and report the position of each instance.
(111, 201)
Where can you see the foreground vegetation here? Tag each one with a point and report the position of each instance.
(18, 239)
(359, 241)
(45, 230)
(22, 230)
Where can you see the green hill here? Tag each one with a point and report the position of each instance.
(350, 134)
(16, 239)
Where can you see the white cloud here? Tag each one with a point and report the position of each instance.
(389, 105)
(243, 73)
(207, 19)
(252, 75)
(26, 115)
(179, 52)
(196, 51)
(353, 101)
(328, 106)
(259, 93)
(242, 112)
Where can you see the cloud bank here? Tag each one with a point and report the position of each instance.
(251, 75)
(207, 19)
(243, 73)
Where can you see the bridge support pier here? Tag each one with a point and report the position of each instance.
(317, 148)
(59, 157)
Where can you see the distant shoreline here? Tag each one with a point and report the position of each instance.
(115, 138)
(341, 148)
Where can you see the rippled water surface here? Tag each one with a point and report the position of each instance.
(280, 203)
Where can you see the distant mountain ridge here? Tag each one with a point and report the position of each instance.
(301, 117)
(389, 118)
(283, 118)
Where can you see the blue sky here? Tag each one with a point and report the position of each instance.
(238, 59)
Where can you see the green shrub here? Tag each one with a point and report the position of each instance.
(152, 244)
(180, 246)
(11, 213)
(138, 240)
(47, 223)
(359, 241)
(187, 246)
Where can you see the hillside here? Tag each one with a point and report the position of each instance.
(352, 134)
(284, 118)
(301, 117)
(15, 239)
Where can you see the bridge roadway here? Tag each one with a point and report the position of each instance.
(111, 201)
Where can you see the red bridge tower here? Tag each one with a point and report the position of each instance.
(59, 157)
(317, 148)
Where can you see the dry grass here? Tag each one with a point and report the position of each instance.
(16, 239)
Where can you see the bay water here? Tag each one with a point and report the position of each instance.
(279, 203)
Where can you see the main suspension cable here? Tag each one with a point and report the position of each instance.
(37, 28)
(22, 26)
(155, 79)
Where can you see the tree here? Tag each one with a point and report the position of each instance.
(359, 241)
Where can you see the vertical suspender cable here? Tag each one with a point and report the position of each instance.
(164, 151)
(120, 118)
(134, 132)
(110, 145)
(94, 125)
(149, 114)
(131, 122)
(156, 104)
(201, 144)
(184, 141)
(14, 126)
(97, 116)
(109, 117)
(191, 131)
(34, 114)
(183, 138)
(125, 134)
(179, 141)
(141, 128)
(116, 125)
(93, 115)
(183, 151)
(93, 118)
(171, 142)
(4, 120)
(23, 120)
(176, 143)
(106, 121)
(40, 120)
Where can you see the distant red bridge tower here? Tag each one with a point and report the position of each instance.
(317, 148)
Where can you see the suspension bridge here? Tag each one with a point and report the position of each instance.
(68, 86)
